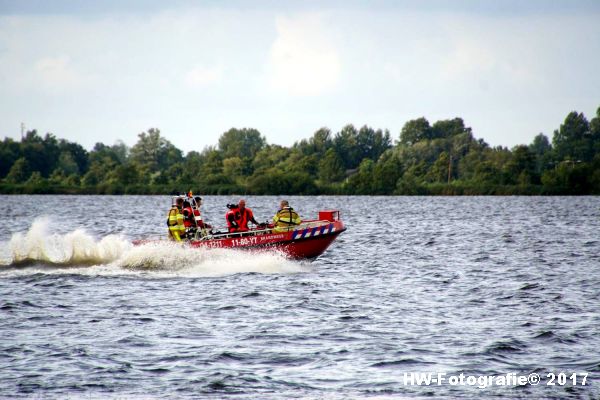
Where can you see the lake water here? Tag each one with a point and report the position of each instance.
(479, 286)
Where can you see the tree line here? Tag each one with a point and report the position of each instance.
(439, 158)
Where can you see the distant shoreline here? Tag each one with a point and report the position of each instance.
(436, 191)
(443, 158)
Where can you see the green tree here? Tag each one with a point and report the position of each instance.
(153, 152)
(414, 131)
(409, 184)
(125, 174)
(36, 180)
(568, 178)
(467, 166)
(67, 164)
(372, 143)
(233, 167)
(277, 182)
(58, 177)
(331, 168)
(540, 145)
(192, 167)
(319, 143)
(99, 170)
(448, 128)
(595, 172)
(173, 174)
(269, 157)
(119, 152)
(522, 167)
(77, 153)
(440, 169)
(212, 163)
(595, 133)
(19, 172)
(300, 163)
(423, 161)
(387, 172)
(573, 140)
(41, 154)
(486, 173)
(541, 149)
(362, 181)
(242, 143)
(345, 144)
(9, 153)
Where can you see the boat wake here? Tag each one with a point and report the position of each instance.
(78, 252)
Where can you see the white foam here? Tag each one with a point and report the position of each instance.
(174, 259)
(78, 247)
(78, 252)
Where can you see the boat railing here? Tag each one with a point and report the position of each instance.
(204, 234)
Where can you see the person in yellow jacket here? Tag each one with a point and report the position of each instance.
(175, 221)
(286, 218)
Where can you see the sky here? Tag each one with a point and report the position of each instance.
(106, 71)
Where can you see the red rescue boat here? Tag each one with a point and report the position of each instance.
(305, 241)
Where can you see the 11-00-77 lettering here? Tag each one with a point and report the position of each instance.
(249, 241)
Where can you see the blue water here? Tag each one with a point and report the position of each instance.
(471, 285)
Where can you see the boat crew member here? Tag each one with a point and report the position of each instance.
(189, 220)
(175, 221)
(286, 218)
(246, 215)
(198, 214)
(239, 216)
(232, 224)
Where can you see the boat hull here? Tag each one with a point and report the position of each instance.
(304, 243)
(307, 241)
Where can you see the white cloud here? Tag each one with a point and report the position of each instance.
(203, 76)
(303, 60)
(56, 73)
(287, 72)
(469, 56)
(509, 51)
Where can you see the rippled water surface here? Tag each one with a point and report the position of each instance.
(472, 285)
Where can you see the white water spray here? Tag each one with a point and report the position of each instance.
(39, 251)
(74, 248)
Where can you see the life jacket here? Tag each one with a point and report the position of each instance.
(175, 223)
(242, 219)
(189, 219)
(197, 215)
(198, 218)
(285, 219)
(232, 217)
